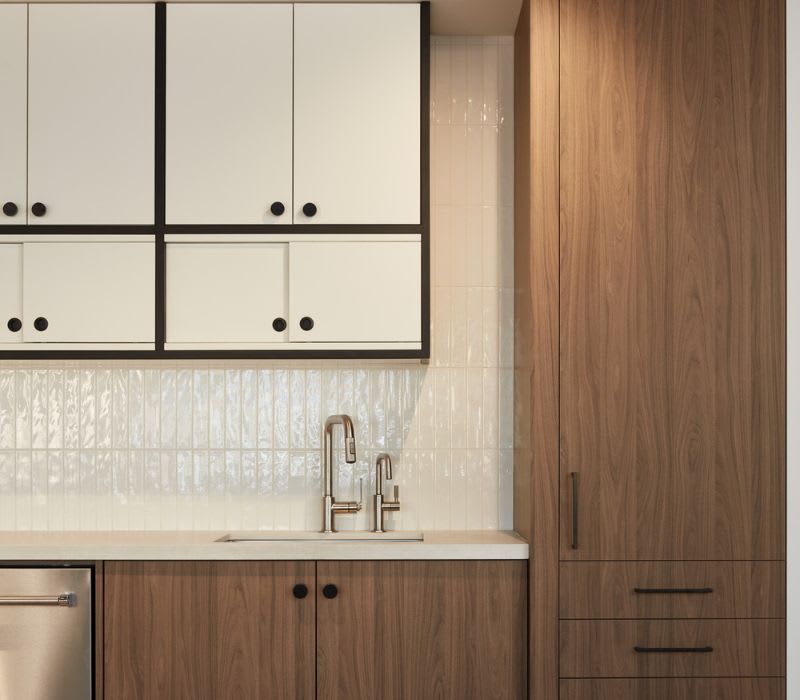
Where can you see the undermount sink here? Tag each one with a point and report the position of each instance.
(322, 537)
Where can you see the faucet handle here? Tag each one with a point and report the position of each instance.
(360, 492)
(396, 493)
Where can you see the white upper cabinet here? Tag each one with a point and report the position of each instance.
(226, 293)
(13, 112)
(87, 292)
(355, 292)
(229, 114)
(357, 113)
(91, 107)
(10, 293)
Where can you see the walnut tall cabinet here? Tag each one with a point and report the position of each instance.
(650, 359)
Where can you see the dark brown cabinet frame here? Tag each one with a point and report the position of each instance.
(160, 229)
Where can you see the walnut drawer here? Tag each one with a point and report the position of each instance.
(635, 648)
(674, 689)
(590, 590)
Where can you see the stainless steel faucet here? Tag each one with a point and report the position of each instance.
(383, 463)
(329, 505)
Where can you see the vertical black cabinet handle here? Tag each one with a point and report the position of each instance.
(277, 208)
(14, 325)
(10, 209)
(300, 591)
(38, 209)
(40, 323)
(309, 209)
(330, 591)
(574, 479)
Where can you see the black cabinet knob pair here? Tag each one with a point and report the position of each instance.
(301, 591)
(306, 323)
(278, 208)
(37, 209)
(15, 325)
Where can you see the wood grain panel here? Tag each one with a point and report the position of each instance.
(422, 630)
(606, 590)
(536, 319)
(672, 279)
(208, 630)
(605, 648)
(675, 689)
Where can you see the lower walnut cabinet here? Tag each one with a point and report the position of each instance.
(392, 629)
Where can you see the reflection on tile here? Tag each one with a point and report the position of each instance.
(238, 445)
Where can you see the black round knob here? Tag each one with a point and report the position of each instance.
(10, 209)
(279, 324)
(306, 323)
(330, 591)
(14, 325)
(40, 324)
(38, 209)
(309, 209)
(277, 208)
(300, 591)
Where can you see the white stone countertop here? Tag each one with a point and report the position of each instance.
(203, 545)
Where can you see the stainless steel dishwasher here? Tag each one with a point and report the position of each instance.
(45, 633)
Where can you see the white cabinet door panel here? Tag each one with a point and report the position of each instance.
(13, 110)
(357, 113)
(10, 290)
(355, 292)
(229, 113)
(226, 292)
(91, 113)
(89, 292)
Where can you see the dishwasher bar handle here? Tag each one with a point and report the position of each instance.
(62, 600)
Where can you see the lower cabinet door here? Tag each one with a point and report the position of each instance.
(232, 293)
(88, 292)
(421, 629)
(10, 293)
(209, 630)
(355, 292)
(674, 689)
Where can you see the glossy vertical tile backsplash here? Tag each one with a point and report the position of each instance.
(236, 445)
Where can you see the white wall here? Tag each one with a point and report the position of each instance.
(237, 445)
(793, 344)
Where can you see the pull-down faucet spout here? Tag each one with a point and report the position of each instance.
(329, 505)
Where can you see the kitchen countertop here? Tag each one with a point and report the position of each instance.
(201, 545)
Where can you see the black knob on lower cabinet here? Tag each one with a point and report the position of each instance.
(14, 325)
(40, 324)
(277, 208)
(38, 209)
(279, 324)
(309, 209)
(300, 591)
(330, 591)
(10, 209)
(306, 323)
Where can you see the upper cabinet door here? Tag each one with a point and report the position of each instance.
(91, 113)
(13, 112)
(229, 114)
(226, 293)
(352, 292)
(89, 292)
(357, 114)
(10, 292)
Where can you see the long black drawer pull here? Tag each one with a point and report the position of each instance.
(673, 650)
(673, 590)
(574, 477)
